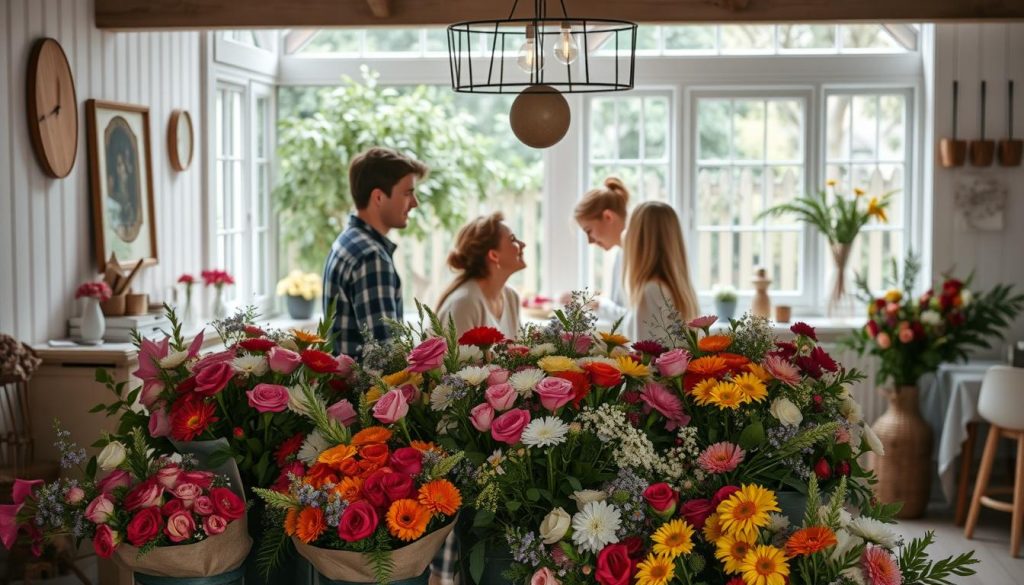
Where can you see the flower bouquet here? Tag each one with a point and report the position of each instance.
(365, 507)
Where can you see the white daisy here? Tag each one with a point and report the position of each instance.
(312, 447)
(173, 360)
(250, 365)
(874, 531)
(777, 522)
(441, 398)
(525, 380)
(543, 349)
(855, 574)
(297, 401)
(873, 441)
(545, 432)
(474, 374)
(594, 527)
(470, 353)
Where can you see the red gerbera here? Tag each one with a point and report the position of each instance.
(809, 366)
(258, 345)
(580, 385)
(482, 337)
(319, 361)
(785, 350)
(190, 418)
(649, 347)
(824, 360)
(288, 448)
(801, 328)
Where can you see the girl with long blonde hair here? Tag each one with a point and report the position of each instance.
(656, 270)
(602, 214)
(486, 254)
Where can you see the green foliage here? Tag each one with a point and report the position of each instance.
(313, 194)
(838, 218)
(916, 567)
(276, 499)
(275, 544)
(381, 564)
(807, 438)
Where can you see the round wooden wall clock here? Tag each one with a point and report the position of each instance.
(52, 108)
(180, 139)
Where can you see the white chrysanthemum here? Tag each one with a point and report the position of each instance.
(851, 409)
(845, 542)
(297, 401)
(470, 353)
(584, 497)
(545, 432)
(855, 574)
(874, 531)
(250, 365)
(441, 398)
(594, 527)
(525, 380)
(874, 443)
(474, 374)
(496, 459)
(543, 349)
(597, 359)
(312, 447)
(930, 318)
(173, 360)
(777, 522)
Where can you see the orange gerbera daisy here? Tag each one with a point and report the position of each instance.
(291, 521)
(407, 519)
(810, 540)
(734, 361)
(425, 446)
(371, 435)
(440, 497)
(310, 525)
(307, 336)
(710, 366)
(335, 455)
(350, 489)
(714, 343)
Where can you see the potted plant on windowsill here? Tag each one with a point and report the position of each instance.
(301, 291)
(725, 302)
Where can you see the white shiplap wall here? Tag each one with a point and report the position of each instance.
(46, 246)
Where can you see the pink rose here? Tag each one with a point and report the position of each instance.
(501, 396)
(673, 363)
(168, 509)
(410, 392)
(427, 355)
(481, 417)
(283, 361)
(906, 335)
(105, 541)
(883, 340)
(407, 460)
(168, 476)
(75, 495)
(213, 359)
(187, 493)
(159, 422)
(214, 378)
(203, 479)
(343, 412)
(391, 407)
(214, 524)
(554, 392)
(268, 398)
(498, 375)
(117, 478)
(99, 510)
(345, 365)
(145, 495)
(508, 427)
(544, 576)
(151, 390)
(180, 526)
(203, 506)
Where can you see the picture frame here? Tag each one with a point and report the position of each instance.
(121, 181)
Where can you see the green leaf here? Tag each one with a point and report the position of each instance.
(752, 436)
(97, 408)
(476, 561)
(483, 518)
(533, 494)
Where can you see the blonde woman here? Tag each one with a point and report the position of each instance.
(602, 214)
(656, 272)
(486, 254)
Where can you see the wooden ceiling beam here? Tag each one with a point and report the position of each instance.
(199, 14)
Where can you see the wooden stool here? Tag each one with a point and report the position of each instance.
(1002, 404)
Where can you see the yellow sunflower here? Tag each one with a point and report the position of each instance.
(673, 539)
(747, 510)
(712, 528)
(613, 339)
(702, 391)
(752, 387)
(765, 565)
(553, 364)
(655, 570)
(732, 549)
(727, 395)
(630, 367)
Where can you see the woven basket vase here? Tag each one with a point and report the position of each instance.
(905, 471)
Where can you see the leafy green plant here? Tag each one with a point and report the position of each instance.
(839, 218)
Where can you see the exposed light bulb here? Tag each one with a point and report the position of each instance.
(528, 53)
(566, 50)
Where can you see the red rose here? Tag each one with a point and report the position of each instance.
(105, 541)
(952, 287)
(696, 512)
(258, 345)
(603, 374)
(227, 504)
(174, 505)
(358, 521)
(213, 379)
(662, 498)
(318, 361)
(635, 546)
(203, 479)
(482, 337)
(407, 460)
(147, 494)
(145, 526)
(872, 329)
(723, 494)
(384, 486)
(614, 565)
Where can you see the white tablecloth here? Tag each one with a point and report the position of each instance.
(948, 403)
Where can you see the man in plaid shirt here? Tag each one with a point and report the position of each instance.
(360, 277)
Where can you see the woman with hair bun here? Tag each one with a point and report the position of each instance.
(602, 215)
(486, 254)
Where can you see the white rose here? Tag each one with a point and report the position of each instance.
(787, 412)
(584, 497)
(873, 441)
(111, 456)
(931, 318)
(555, 525)
(851, 410)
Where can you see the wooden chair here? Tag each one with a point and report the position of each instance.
(1001, 404)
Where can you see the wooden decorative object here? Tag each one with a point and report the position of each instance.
(52, 108)
(136, 304)
(1010, 149)
(180, 139)
(905, 472)
(761, 306)
(953, 152)
(982, 151)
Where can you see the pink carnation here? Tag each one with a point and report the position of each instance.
(721, 457)
(782, 370)
(658, 397)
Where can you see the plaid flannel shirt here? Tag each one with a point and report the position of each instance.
(444, 569)
(360, 279)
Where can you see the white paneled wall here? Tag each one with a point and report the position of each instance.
(46, 246)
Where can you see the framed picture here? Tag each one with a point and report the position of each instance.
(121, 176)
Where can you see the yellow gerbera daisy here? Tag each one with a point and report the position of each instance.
(553, 364)
(613, 339)
(877, 210)
(731, 549)
(727, 395)
(713, 528)
(702, 391)
(760, 372)
(747, 510)
(751, 386)
(765, 565)
(630, 367)
(893, 296)
(307, 336)
(373, 395)
(673, 539)
(402, 377)
(655, 570)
